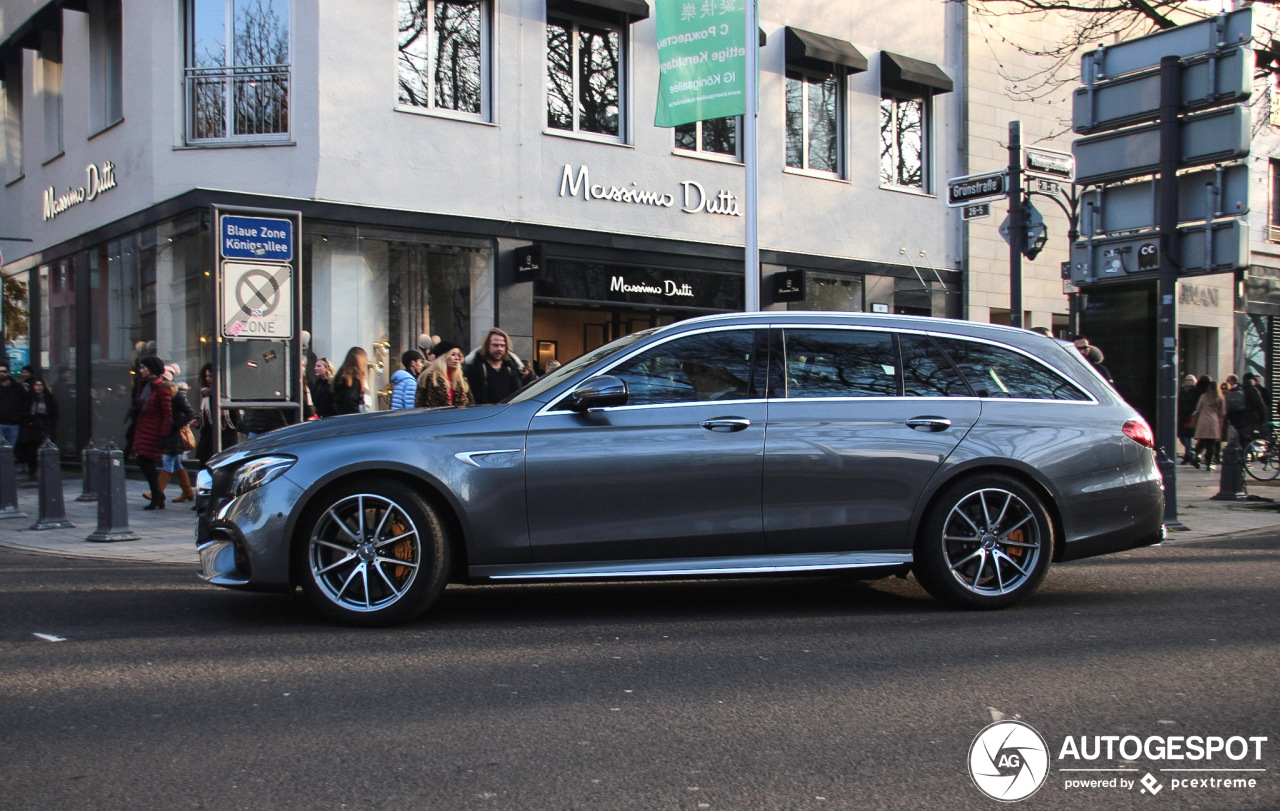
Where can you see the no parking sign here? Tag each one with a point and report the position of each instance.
(257, 300)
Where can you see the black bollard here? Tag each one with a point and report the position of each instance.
(113, 504)
(89, 473)
(8, 483)
(53, 514)
(1231, 480)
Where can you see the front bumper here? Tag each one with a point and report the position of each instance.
(244, 542)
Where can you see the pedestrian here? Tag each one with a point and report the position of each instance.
(322, 388)
(152, 415)
(181, 415)
(1250, 379)
(258, 421)
(13, 400)
(492, 371)
(1188, 396)
(1210, 410)
(1094, 355)
(1245, 409)
(405, 380)
(227, 418)
(349, 395)
(443, 383)
(39, 422)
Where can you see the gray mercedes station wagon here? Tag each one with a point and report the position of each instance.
(972, 455)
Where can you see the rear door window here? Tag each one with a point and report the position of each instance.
(840, 363)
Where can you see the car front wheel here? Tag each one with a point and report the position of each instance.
(376, 554)
(985, 544)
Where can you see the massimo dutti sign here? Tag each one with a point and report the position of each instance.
(692, 196)
(98, 179)
(601, 282)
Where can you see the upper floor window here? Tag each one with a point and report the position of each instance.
(105, 50)
(237, 75)
(585, 76)
(50, 77)
(11, 111)
(906, 101)
(1273, 218)
(815, 84)
(715, 136)
(444, 56)
(902, 142)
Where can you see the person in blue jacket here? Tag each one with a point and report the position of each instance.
(405, 381)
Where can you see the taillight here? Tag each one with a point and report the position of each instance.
(1140, 432)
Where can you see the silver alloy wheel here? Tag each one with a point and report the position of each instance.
(991, 542)
(364, 552)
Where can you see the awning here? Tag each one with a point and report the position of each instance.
(810, 50)
(912, 75)
(624, 11)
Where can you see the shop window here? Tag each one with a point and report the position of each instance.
(815, 122)
(11, 109)
(105, 78)
(238, 72)
(444, 61)
(716, 136)
(585, 76)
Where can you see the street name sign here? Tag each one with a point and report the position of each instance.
(975, 211)
(257, 238)
(980, 188)
(1207, 80)
(1208, 137)
(1048, 164)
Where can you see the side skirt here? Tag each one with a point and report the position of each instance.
(691, 567)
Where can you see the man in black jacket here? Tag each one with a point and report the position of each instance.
(494, 372)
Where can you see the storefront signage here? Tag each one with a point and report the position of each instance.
(788, 286)
(598, 282)
(97, 180)
(693, 197)
(261, 238)
(1198, 295)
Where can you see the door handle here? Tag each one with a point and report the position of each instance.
(726, 424)
(931, 424)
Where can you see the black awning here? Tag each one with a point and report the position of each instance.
(913, 75)
(624, 11)
(810, 50)
(31, 33)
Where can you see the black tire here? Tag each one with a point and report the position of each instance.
(1262, 459)
(373, 554)
(986, 543)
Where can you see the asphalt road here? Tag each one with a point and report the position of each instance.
(129, 686)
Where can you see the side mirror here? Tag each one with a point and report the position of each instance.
(599, 392)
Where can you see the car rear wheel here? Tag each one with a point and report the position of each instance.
(376, 554)
(985, 544)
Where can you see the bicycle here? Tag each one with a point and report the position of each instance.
(1262, 455)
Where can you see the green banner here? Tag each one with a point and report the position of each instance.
(702, 60)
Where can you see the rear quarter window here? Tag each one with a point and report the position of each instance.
(996, 371)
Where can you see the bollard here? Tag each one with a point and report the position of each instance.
(89, 473)
(113, 504)
(8, 483)
(1231, 480)
(53, 514)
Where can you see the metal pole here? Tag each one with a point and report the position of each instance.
(752, 247)
(1170, 262)
(1016, 227)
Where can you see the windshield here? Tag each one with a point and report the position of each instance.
(576, 365)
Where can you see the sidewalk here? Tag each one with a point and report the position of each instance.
(168, 535)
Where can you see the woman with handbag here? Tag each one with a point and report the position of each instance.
(175, 444)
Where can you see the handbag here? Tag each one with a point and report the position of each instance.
(188, 438)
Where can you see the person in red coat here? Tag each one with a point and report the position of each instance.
(153, 418)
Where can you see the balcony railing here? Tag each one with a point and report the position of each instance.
(1273, 233)
(237, 103)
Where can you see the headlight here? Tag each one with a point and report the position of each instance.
(257, 472)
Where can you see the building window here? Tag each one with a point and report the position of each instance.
(237, 75)
(105, 48)
(1273, 218)
(50, 63)
(444, 55)
(585, 77)
(11, 108)
(903, 141)
(815, 115)
(716, 136)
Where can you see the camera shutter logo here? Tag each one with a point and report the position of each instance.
(1009, 761)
